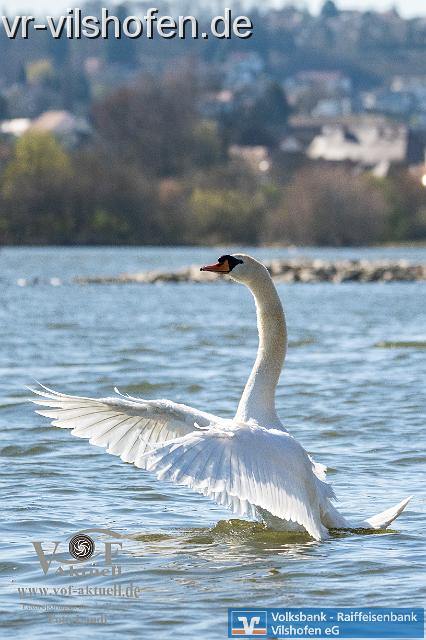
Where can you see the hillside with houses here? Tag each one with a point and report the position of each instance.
(312, 131)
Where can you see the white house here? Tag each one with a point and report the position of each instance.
(365, 144)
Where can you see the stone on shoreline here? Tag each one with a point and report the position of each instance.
(294, 270)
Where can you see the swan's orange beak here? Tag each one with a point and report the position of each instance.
(219, 267)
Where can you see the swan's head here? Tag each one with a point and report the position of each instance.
(239, 266)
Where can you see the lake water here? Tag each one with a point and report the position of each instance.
(357, 407)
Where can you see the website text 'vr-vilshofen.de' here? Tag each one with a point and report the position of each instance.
(75, 25)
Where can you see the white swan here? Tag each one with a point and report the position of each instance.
(250, 464)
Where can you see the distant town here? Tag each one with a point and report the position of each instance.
(312, 131)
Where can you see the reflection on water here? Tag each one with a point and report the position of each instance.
(231, 533)
(240, 536)
(356, 407)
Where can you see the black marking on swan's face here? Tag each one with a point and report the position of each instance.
(231, 261)
(225, 264)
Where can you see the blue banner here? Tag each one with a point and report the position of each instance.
(361, 623)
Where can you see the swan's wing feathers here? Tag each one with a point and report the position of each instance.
(125, 426)
(244, 468)
(320, 470)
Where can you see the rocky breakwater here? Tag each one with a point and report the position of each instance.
(294, 270)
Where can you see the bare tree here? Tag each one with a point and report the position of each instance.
(329, 206)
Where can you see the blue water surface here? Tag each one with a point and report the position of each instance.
(352, 392)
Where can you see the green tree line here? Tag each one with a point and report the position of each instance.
(156, 172)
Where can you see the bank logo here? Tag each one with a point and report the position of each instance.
(81, 547)
(245, 623)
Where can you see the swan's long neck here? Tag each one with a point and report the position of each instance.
(258, 399)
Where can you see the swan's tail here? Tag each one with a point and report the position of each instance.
(333, 519)
(383, 519)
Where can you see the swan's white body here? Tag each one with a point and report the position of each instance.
(250, 464)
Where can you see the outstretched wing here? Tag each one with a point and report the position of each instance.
(125, 426)
(244, 468)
